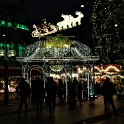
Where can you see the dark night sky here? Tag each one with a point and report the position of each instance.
(50, 9)
(36, 10)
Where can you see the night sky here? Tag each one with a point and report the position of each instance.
(36, 10)
(52, 10)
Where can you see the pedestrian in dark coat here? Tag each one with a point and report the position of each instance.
(60, 91)
(23, 89)
(108, 90)
(51, 89)
(80, 89)
(69, 84)
(33, 82)
(74, 91)
(39, 94)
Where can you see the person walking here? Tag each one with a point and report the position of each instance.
(74, 91)
(60, 91)
(69, 86)
(108, 90)
(80, 89)
(33, 82)
(39, 94)
(23, 89)
(51, 89)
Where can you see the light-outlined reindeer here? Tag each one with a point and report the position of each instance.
(77, 21)
(69, 21)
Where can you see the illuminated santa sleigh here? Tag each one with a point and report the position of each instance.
(47, 28)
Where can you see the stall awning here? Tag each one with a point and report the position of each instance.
(12, 71)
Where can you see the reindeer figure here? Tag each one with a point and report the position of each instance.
(66, 23)
(77, 21)
(69, 21)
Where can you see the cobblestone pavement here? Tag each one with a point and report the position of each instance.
(86, 113)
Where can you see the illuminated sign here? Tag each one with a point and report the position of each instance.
(68, 22)
(9, 24)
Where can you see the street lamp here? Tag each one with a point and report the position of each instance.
(6, 54)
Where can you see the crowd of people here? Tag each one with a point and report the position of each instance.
(40, 92)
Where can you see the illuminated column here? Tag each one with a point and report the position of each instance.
(68, 73)
(47, 69)
(46, 72)
(25, 72)
(66, 91)
(90, 82)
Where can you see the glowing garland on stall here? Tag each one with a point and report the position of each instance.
(54, 48)
(106, 69)
(57, 48)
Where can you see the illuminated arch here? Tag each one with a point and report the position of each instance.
(97, 69)
(35, 67)
(32, 68)
(112, 68)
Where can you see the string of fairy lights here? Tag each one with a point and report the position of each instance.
(57, 47)
(106, 25)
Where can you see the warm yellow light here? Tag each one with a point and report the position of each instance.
(111, 67)
(56, 42)
(2, 52)
(79, 70)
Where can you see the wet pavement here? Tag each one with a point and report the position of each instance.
(86, 113)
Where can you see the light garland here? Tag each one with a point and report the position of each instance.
(106, 69)
(58, 48)
(105, 30)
